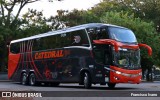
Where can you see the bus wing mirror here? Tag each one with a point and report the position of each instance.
(107, 41)
(146, 46)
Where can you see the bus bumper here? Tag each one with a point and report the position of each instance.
(119, 75)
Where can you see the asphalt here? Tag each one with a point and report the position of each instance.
(4, 76)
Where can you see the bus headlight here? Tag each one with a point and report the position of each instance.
(140, 73)
(117, 72)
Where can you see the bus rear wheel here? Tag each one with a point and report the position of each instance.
(111, 85)
(24, 79)
(32, 80)
(87, 80)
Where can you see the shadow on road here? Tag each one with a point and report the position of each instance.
(82, 87)
(98, 88)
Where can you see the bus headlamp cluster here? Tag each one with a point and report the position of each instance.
(128, 75)
(124, 74)
(117, 72)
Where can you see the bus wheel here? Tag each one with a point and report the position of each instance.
(32, 79)
(111, 85)
(87, 80)
(24, 79)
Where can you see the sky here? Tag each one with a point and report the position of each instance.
(50, 9)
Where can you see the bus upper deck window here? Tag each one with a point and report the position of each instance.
(98, 33)
(102, 33)
(15, 48)
(79, 38)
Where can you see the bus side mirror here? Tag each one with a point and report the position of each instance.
(147, 47)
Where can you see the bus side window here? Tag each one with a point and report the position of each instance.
(36, 45)
(59, 41)
(104, 33)
(49, 42)
(15, 48)
(98, 33)
(92, 33)
(66, 39)
(79, 38)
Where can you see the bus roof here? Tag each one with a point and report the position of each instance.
(79, 27)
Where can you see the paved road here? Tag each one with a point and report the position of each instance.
(74, 91)
(146, 86)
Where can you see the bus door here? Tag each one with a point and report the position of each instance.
(102, 52)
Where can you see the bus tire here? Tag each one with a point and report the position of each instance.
(32, 79)
(24, 80)
(111, 85)
(87, 80)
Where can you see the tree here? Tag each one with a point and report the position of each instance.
(145, 9)
(11, 27)
(8, 6)
(77, 17)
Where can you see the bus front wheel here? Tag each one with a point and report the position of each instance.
(24, 79)
(87, 80)
(32, 79)
(111, 85)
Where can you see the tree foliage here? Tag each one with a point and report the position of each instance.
(148, 10)
(13, 27)
(77, 17)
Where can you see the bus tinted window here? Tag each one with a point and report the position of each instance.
(122, 35)
(15, 48)
(50, 42)
(98, 33)
(65, 39)
(75, 38)
(37, 44)
(45, 43)
(79, 38)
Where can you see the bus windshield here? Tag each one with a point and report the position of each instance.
(122, 35)
(128, 59)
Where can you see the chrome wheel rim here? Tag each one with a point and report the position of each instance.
(85, 80)
(32, 80)
(24, 79)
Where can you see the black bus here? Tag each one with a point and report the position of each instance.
(93, 53)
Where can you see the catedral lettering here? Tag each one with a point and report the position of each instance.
(50, 54)
(93, 53)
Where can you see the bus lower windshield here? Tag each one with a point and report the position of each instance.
(122, 35)
(128, 59)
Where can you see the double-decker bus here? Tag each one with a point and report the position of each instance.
(93, 53)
